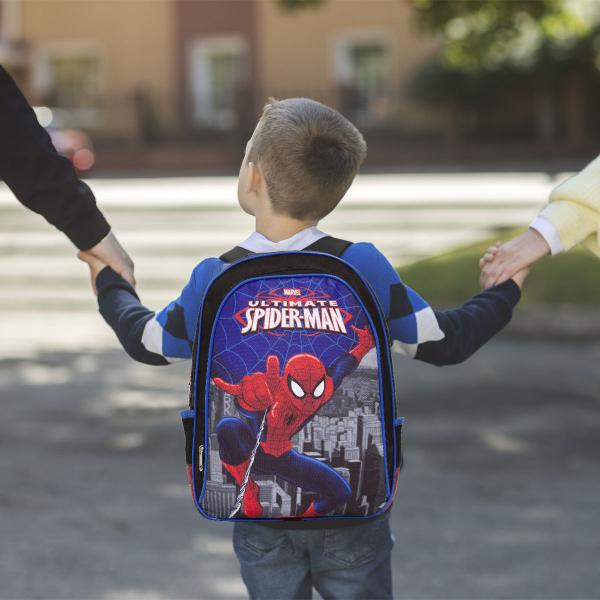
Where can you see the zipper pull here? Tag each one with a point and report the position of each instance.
(200, 458)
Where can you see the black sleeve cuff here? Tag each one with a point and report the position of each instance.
(88, 229)
(510, 290)
(108, 279)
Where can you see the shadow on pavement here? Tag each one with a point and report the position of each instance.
(499, 497)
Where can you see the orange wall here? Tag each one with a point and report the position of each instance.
(296, 50)
(135, 40)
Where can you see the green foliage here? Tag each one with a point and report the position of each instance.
(447, 280)
(295, 5)
(491, 48)
(491, 35)
(437, 84)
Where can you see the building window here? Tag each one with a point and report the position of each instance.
(68, 79)
(74, 81)
(217, 69)
(361, 71)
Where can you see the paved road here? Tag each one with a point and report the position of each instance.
(499, 498)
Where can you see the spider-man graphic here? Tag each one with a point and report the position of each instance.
(290, 400)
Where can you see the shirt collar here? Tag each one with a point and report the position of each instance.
(258, 243)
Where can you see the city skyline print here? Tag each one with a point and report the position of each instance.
(294, 427)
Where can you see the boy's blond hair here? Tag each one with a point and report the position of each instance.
(309, 155)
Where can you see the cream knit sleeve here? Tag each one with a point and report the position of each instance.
(574, 208)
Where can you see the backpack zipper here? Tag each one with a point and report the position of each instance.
(200, 458)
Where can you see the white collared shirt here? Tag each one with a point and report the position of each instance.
(257, 242)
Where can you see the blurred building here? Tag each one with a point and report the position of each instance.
(90, 62)
(180, 83)
(199, 71)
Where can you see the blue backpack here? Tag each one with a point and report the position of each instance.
(291, 405)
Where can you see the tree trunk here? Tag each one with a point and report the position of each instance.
(452, 129)
(574, 111)
(547, 115)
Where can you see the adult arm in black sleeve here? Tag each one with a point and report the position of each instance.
(468, 328)
(39, 177)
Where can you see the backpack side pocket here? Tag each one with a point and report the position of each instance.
(187, 418)
(398, 423)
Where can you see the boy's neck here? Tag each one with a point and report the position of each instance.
(280, 227)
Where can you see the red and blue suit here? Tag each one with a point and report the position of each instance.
(290, 400)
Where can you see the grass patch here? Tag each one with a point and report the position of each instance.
(571, 279)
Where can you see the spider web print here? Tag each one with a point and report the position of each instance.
(236, 354)
(271, 463)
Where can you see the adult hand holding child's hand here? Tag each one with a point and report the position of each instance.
(110, 252)
(499, 264)
(95, 265)
(503, 261)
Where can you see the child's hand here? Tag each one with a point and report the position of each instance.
(95, 265)
(489, 264)
(520, 277)
(503, 261)
(491, 260)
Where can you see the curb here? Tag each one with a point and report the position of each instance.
(449, 190)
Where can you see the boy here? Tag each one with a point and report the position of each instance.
(571, 217)
(298, 165)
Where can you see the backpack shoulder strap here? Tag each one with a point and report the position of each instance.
(235, 254)
(327, 244)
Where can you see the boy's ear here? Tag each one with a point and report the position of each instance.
(256, 177)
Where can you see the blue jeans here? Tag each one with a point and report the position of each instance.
(346, 563)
